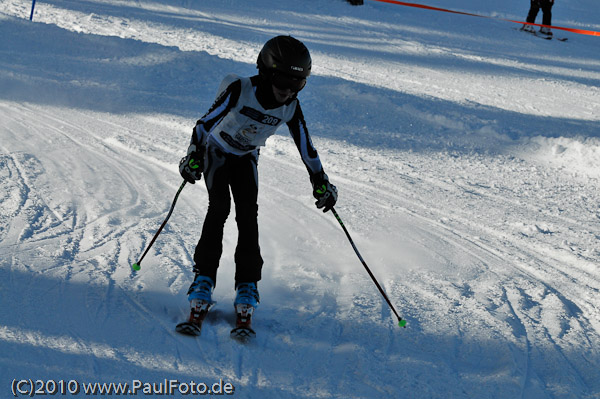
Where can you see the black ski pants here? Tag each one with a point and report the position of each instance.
(224, 172)
(546, 6)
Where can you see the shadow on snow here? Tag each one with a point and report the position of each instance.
(110, 74)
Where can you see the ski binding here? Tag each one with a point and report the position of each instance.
(198, 312)
(243, 331)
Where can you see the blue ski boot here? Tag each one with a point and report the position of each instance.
(246, 301)
(200, 297)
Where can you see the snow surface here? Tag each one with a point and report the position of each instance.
(467, 158)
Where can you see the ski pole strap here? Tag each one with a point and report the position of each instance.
(401, 322)
(164, 222)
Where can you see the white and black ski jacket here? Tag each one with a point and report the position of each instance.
(239, 124)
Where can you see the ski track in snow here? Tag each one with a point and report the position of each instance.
(484, 235)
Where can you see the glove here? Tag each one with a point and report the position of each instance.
(192, 165)
(324, 192)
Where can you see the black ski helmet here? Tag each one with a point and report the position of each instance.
(285, 60)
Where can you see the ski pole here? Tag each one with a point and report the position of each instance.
(136, 266)
(401, 322)
(32, 8)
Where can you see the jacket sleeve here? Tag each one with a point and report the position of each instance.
(301, 137)
(226, 100)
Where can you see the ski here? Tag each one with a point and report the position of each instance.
(198, 313)
(243, 331)
(187, 328)
(543, 36)
(546, 37)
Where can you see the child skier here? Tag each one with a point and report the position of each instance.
(225, 147)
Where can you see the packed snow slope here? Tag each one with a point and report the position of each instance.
(467, 158)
